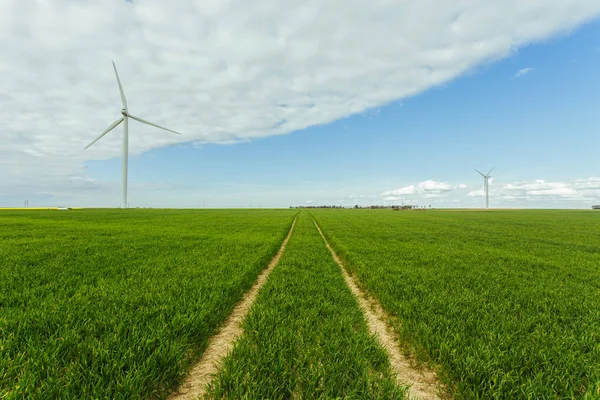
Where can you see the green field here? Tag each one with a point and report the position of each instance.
(116, 304)
(119, 303)
(305, 337)
(507, 303)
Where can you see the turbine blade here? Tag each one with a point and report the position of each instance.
(110, 128)
(143, 121)
(120, 87)
(480, 173)
(490, 171)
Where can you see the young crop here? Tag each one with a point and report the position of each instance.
(507, 303)
(305, 336)
(118, 304)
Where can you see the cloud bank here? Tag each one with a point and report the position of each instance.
(429, 189)
(223, 71)
(576, 193)
(578, 190)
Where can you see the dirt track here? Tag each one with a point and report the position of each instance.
(423, 383)
(222, 343)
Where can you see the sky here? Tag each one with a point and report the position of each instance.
(287, 103)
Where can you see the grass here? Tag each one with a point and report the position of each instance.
(507, 303)
(117, 304)
(305, 336)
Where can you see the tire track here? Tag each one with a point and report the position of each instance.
(423, 384)
(222, 343)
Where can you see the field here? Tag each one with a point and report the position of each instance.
(507, 303)
(120, 303)
(305, 336)
(116, 304)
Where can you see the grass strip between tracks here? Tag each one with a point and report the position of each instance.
(305, 336)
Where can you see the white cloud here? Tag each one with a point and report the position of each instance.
(535, 193)
(522, 72)
(224, 71)
(561, 191)
(433, 186)
(476, 193)
(542, 188)
(586, 184)
(577, 191)
(362, 196)
(411, 189)
(428, 186)
(462, 186)
(428, 189)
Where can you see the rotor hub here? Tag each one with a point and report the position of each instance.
(124, 112)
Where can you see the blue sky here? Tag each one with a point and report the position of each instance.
(541, 125)
(539, 128)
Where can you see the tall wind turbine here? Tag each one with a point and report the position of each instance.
(485, 186)
(124, 118)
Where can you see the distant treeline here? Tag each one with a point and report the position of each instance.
(371, 207)
(596, 207)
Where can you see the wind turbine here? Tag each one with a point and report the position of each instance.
(485, 186)
(124, 119)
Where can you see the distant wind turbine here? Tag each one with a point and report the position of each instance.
(124, 119)
(485, 186)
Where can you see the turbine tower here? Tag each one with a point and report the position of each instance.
(125, 117)
(485, 186)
